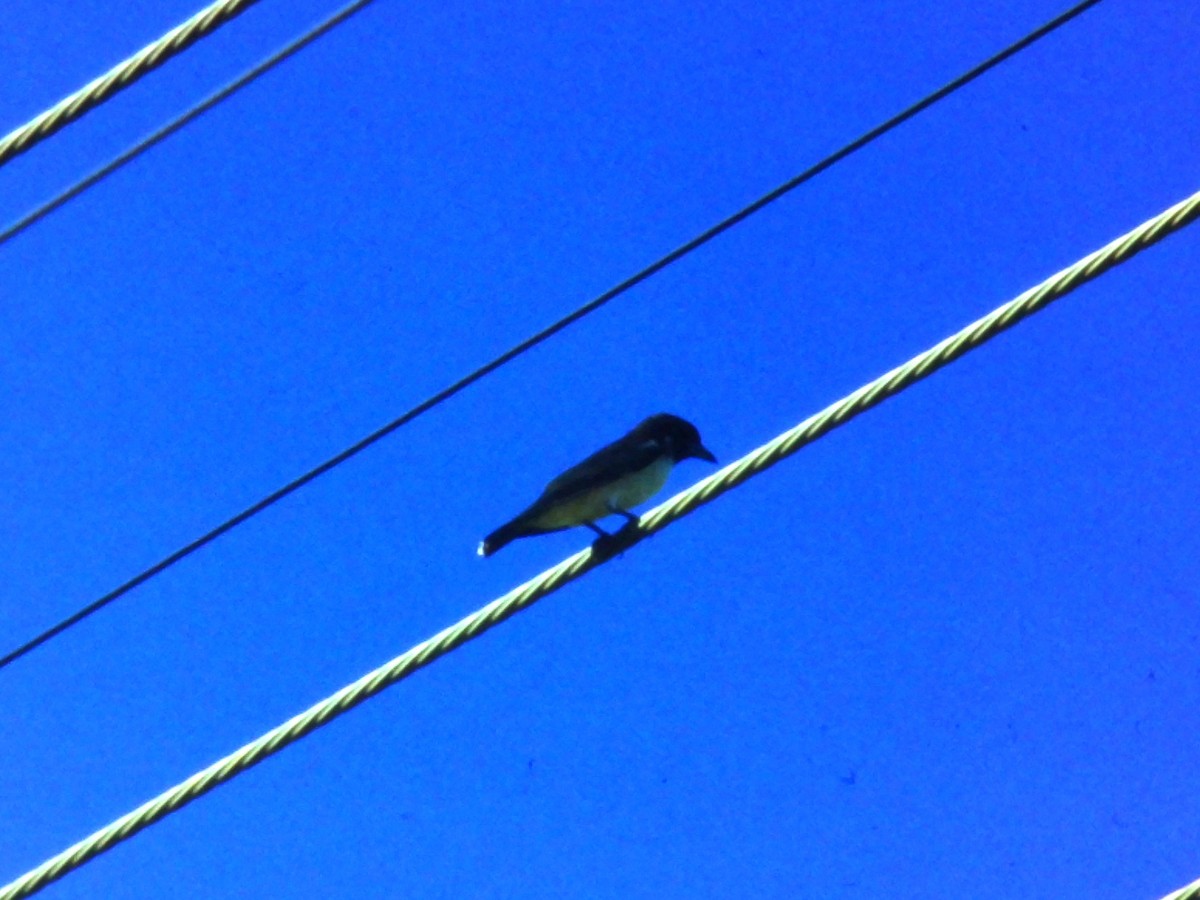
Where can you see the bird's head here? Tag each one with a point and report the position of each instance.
(677, 436)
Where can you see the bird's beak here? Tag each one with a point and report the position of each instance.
(702, 452)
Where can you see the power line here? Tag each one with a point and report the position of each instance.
(191, 115)
(236, 85)
(544, 334)
(1187, 892)
(120, 76)
(754, 463)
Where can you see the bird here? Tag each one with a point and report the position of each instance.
(611, 481)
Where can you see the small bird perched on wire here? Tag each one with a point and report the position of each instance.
(611, 481)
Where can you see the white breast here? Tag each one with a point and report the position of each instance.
(639, 487)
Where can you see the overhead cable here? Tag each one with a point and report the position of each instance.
(1188, 892)
(683, 503)
(191, 115)
(544, 334)
(120, 76)
(195, 112)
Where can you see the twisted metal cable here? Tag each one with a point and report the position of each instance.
(1187, 892)
(194, 113)
(925, 364)
(120, 77)
(512, 353)
(252, 74)
(568, 570)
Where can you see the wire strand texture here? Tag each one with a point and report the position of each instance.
(1187, 892)
(504, 358)
(759, 460)
(120, 77)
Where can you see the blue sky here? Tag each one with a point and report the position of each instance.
(951, 647)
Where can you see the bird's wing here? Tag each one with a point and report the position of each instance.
(605, 465)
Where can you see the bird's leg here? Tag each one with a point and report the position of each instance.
(608, 544)
(631, 523)
(630, 519)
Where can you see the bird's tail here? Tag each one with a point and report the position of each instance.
(502, 536)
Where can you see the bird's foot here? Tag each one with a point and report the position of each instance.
(615, 544)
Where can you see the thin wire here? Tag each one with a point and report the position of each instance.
(545, 333)
(119, 77)
(754, 463)
(191, 115)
